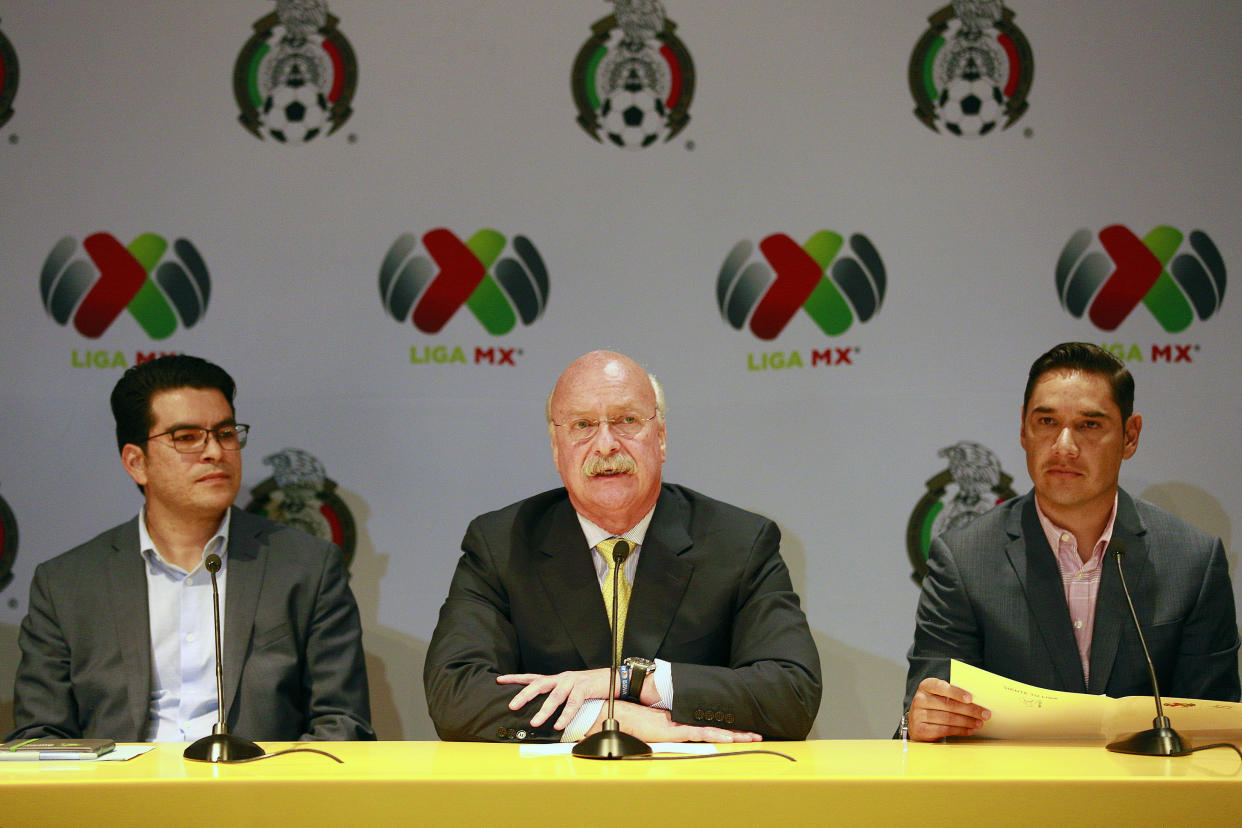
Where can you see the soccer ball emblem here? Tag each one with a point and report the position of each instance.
(633, 118)
(294, 113)
(970, 107)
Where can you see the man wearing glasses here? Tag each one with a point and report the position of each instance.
(118, 640)
(715, 645)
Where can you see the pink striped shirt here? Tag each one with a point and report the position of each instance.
(1081, 580)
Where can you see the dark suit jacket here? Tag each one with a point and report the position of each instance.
(993, 598)
(711, 595)
(292, 648)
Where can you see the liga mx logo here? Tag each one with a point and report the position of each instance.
(295, 78)
(633, 79)
(972, 484)
(8, 543)
(9, 75)
(1176, 277)
(972, 70)
(159, 291)
(300, 494)
(430, 284)
(833, 289)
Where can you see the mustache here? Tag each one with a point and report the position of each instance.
(613, 464)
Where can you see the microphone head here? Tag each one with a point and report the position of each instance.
(213, 563)
(1117, 547)
(621, 551)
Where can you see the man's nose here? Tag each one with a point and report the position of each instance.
(606, 441)
(212, 447)
(1064, 444)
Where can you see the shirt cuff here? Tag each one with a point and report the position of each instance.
(582, 721)
(664, 684)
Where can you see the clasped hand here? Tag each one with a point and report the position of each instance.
(573, 687)
(570, 688)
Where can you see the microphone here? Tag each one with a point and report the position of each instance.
(1162, 739)
(611, 742)
(220, 746)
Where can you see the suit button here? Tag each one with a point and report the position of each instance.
(698, 715)
(500, 733)
(729, 718)
(521, 734)
(719, 716)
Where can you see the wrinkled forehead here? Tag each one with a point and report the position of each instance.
(603, 385)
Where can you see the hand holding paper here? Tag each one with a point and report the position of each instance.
(940, 709)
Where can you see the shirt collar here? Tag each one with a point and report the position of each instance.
(219, 542)
(1053, 532)
(634, 535)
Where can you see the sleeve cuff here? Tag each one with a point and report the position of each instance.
(664, 684)
(582, 721)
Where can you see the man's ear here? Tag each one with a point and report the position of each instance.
(134, 460)
(1134, 425)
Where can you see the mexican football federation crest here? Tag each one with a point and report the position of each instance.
(299, 494)
(633, 79)
(971, 485)
(8, 543)
(296, 75)
(971, 72)
(8, 79)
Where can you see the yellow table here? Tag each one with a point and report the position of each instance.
(874, 782)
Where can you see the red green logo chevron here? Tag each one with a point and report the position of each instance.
(1177, 277)
(833, 289)
(428, 286)
(159, 292)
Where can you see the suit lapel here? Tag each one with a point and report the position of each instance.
(661, 579)
(128, 581)
(1112, 615)
(563, 566)
(241, 600)
(1036, 568)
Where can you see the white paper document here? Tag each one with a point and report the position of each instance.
(1021, 711)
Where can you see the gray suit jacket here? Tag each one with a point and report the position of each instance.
(711, 595)
(993, 598)
(292, 649)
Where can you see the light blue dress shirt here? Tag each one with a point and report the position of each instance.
(183, 704)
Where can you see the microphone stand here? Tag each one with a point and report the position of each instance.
(611, 742)
(1161, 739)
(220, 746)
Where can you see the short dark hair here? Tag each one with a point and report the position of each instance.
(1090, 359)
(131, 398)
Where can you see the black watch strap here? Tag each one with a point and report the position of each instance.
(639, 669)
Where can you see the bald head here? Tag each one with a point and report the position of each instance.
(596, 364)
(612, 478)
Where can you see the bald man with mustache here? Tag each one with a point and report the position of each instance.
(715, 645)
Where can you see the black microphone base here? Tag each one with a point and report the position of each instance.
(222, 747)
(1159, 741)
(611, 743)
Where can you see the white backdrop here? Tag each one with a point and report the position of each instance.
(125, 123)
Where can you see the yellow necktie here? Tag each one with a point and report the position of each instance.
(623, 587)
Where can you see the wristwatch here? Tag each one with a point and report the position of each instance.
(638, 669)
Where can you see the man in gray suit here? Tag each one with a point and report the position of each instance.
(118, 640)
(1026, 591)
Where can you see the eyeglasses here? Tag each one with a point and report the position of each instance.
(193, 439)
(627, 425)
